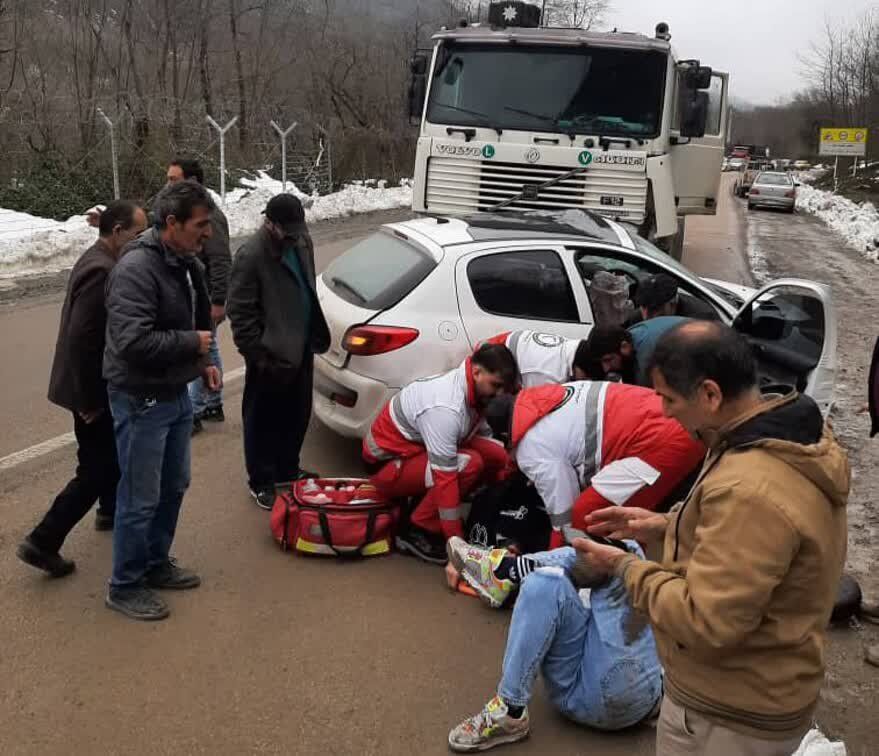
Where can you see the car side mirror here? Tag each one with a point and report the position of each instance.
(695, 115)
(417, 87)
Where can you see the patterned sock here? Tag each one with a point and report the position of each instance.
(515, 569)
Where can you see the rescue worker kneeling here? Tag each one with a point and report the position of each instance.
(589, 445)
(432, 441)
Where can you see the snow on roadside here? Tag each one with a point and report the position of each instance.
(857, 224)
(31, 245)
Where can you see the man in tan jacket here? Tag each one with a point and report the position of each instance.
(752, 558)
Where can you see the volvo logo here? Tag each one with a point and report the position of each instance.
(532, 155)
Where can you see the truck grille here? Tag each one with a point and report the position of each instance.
(456, 185)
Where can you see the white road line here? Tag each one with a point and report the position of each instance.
(59, 442)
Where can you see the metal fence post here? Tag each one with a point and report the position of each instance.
(329, 157)
(113, 155)
(283, 134)
(221, 130)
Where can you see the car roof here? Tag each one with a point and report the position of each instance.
(499, 226)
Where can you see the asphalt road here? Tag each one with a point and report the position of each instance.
(273, 653)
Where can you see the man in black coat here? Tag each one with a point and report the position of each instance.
(159, 332)
(278, 327)
(77, 385)
(216, 257)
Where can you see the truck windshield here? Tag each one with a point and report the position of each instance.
(576, 90)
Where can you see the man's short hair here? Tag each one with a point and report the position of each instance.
(117, 213)
(607, 340)
(656, 291)
(180, 199)
(498, 359)
(191, 168)
(584, 359)
(701, 351)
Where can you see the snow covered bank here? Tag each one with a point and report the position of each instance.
(30, 245)
(857, 224)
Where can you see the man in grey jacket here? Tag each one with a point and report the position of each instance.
(217, 259)
(278, 327)
(158, 335)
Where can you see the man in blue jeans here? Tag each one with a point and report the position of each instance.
(158, 336)
(597, 657)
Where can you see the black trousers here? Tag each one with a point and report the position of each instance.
(276, 410)
(96, 478)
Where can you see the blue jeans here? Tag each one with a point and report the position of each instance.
(152, 439)
(201, 396)
(593, 673)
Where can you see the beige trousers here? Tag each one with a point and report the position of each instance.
(681, 732)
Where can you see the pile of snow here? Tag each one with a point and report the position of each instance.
(857, 223)
(29, 244)
(815, 743)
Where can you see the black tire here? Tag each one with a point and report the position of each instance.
(750, 206)
(848, 599)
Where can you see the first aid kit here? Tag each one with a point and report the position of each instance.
(343, 517)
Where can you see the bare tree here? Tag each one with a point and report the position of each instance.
(574, 14)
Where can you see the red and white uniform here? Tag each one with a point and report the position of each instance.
(434, 442)
(589, 445)
(542, 357)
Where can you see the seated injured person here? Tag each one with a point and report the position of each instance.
(589, 445)
(597, 655)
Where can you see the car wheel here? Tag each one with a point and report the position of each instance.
(750, 206)
(848, 599)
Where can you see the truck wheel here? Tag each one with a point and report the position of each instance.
(750, 206)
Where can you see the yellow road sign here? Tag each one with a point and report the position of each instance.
(843, 141)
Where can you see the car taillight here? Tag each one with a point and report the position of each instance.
(755, 191)
(790, 193)
(369, 340)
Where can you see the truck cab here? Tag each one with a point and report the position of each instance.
(544, 118)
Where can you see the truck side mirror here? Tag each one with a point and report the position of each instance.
(695, 115)
(417, 87)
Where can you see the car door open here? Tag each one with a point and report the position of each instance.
(791, 326)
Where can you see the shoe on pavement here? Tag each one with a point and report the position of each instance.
(170, 577)
(264, 496)
(213, 415)
(197, 427)
(429, 547)
(137, 603)
(47, 561)
(476, 566)
(493, 726)
(104, 520)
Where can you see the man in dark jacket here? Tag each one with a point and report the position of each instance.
(217, 260)
(76, 384)
(158, 335)
(278, 327)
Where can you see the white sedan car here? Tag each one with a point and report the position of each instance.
(413, 300)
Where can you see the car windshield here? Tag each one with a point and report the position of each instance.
(379, 271)
(578, 90)
(774, 179)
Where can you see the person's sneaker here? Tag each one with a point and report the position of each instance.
(264, 497)
(476, 566)
(170, 577)
(137, 603)
(213, 415)
(104, 520)
(47, 561)
(197, 427)
(493, 726)
(427, 546)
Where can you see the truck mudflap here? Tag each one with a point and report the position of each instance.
(662, 193)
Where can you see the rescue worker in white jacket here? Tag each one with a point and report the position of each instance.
(544, 357)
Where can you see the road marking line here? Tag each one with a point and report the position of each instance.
(59, 442)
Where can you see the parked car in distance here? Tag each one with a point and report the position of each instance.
(737, 164)
(773, 189)
(413, 300)
(802, 165)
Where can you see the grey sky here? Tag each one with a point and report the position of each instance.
(757, 41)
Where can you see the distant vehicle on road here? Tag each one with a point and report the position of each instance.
(782, 164)
(414, 299)
(743, 184)
(738, 164)
(802, 165)
(773, 189)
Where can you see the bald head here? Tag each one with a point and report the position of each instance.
(701, 350)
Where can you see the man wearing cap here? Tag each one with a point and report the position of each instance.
(278, 327)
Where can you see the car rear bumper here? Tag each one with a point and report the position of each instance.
(764, 201)
(335, 388)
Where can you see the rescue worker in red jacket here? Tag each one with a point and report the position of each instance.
(546, 358)
(589, 445)
(432, 441)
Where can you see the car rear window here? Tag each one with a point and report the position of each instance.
(379, 271)
(774, 179)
